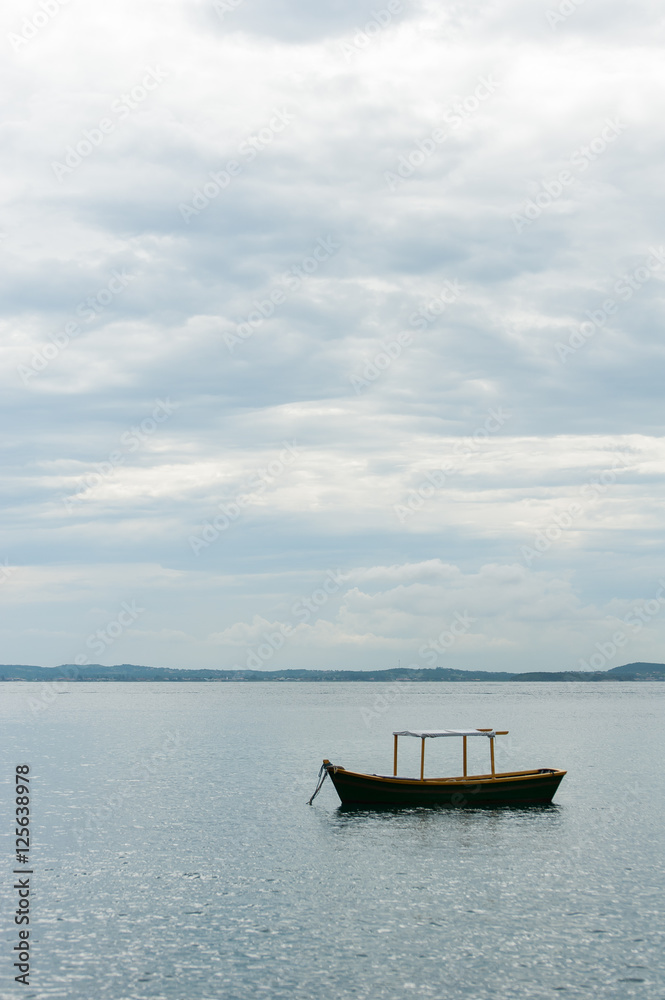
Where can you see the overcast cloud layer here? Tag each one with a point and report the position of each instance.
(332, 336)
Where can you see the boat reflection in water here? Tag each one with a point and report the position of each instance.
(508, 788)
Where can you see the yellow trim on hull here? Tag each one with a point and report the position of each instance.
(467, 779)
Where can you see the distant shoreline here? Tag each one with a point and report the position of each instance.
(131, 672)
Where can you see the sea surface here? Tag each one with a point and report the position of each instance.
(175, 856)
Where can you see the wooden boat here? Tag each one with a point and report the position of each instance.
(509, 788)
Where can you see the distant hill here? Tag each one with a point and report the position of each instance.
(637, 672)
(132, 672)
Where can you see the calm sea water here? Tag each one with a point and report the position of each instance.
(175, 855)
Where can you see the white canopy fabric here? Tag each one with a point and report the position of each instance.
(424, 733)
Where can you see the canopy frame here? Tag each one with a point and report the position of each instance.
(424, 734)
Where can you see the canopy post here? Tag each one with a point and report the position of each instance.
(492, 753)
(464, 754)
(422, 759)
(395, 756)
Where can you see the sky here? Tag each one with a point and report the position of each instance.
(332, 334)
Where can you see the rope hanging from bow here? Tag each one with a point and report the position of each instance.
(323, 771)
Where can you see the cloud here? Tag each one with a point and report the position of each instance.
(178, 253)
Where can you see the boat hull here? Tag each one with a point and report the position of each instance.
(517, 788)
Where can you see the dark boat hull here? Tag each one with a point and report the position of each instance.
(518, 788)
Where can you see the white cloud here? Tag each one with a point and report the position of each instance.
(355, 102)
